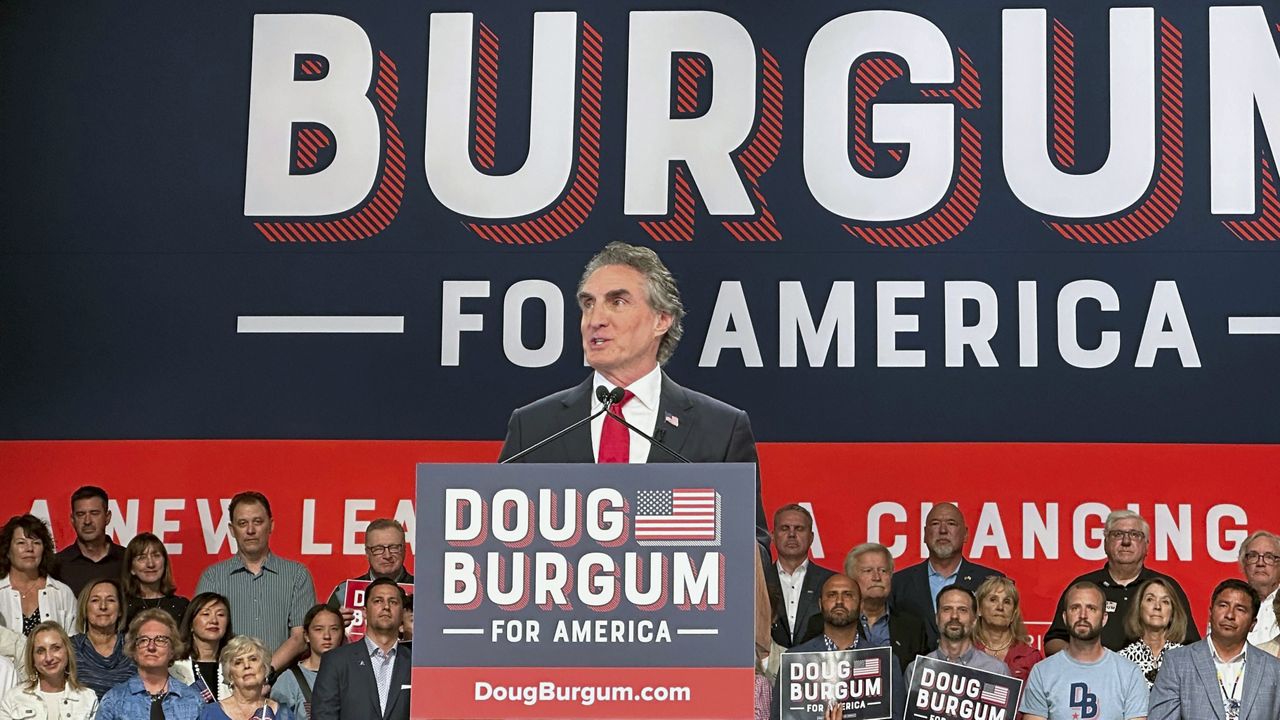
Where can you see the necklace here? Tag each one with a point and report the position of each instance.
(991, 647)
(33, 587)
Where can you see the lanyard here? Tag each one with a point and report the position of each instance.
(1230, 702)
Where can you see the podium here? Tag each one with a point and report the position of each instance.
(584, 591)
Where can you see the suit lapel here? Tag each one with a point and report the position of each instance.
(808, 596)
(573, 407)
(675, 417)
(1209, 680)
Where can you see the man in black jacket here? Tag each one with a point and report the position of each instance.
(797, 579)
(915, 589)
(631, 323)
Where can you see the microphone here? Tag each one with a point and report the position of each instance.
(602, 394)
(638, 431)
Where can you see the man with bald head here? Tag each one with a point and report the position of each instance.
(841, 601)
(915, 589)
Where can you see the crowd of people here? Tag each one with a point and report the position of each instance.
(1123, 644)
(98, 631)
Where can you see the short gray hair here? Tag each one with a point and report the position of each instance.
(1254, 536)
(239, 646)
(860, 550)
(1125, 514)
(663, 295)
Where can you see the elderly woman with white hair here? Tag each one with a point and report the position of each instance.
(244, 664)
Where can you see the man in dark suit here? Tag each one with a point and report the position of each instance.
(369, 678)
(915, 589)
(797, 580)
(631, 323)
(1222, 676)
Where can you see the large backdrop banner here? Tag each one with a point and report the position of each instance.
(1021, 257)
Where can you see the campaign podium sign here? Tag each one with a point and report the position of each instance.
(861, 681)
(941, 690)
(584, 591)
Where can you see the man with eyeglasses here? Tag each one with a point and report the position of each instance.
(384, 548)
(1260, 561)
(1126, 540)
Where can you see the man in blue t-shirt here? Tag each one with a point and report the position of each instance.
(1086, 681)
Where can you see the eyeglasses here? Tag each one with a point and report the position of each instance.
(160, 641)
(1267, 558)
(1133, 535)
(380, 550)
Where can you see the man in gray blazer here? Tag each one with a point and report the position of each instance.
(368, 678)
(1222, 677)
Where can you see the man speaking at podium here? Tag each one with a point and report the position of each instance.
(631, 323)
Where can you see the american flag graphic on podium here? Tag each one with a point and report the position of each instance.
(683, 516)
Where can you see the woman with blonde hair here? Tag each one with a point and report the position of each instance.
(1158, 623)
(52, 690)
(244, 663)
(1000, 631)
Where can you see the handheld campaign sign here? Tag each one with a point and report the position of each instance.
(861, 680)
(940, 690)
(594, 591)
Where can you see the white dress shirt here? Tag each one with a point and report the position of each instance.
(1266, 628)
(1230, 679)
(792, 582)
(641, 411)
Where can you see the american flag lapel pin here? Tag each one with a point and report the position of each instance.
(672, 420)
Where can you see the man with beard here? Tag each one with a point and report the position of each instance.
(1127, 538)
(368, 678)
(916, 588)
(1087, 681)
(871, 566)
(957, 611)
(840, 602)
(797, 579)
(1248, 679)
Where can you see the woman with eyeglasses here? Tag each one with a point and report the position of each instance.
(99, 646)
(28, 596)
(1158, 623)
(205, 631)
(148, 579)
(151, 694)
(52, 690)
(1000, 631)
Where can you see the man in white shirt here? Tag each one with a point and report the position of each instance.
(1260, 562)
(799, 579)
(631, 324)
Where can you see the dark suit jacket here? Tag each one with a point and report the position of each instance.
(907, 636)
(1187, 686)
(911, 591)
(346, 689)
(808, 608)
(705, 430)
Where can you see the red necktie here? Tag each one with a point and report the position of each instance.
(615, 439)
